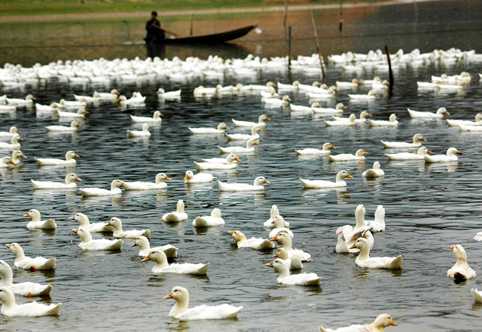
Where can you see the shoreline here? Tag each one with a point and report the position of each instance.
(195, 12)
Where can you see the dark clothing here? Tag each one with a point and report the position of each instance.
(154, 31)
(155, 39)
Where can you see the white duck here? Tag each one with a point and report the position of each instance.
(392, 122)
(159, 183)
(349, 233)
(420, 155)
(274, 213)
(13, 145)
(458, 123)
(36, 221)
(279, 226)
(89, 244)
(441, 113)
(378, 224)
(144, 133)
(350, 121)
(32, 309)
(254, 243)
(359, 155)
(112, 96)
(295, 261)
(328, 111)
(120, 233)
(169, 95)
(244, 137)
(220, 129)
(477, 295)
(258, 185)
(340, 182)
(283, 266)
(182, 312)
(115, 189)
(262, 120)
(324, 151)
(190, 177)
(70, 183)
(248, 149)
(417, 141)
(161, 265)
(370, 96)
(70, 160)
(285, 241)
(375, 172)
(98, 227)
(7, 135)
(215, 219)
(461, 271)
(451, 156)
(74, 127)
(145, 248)
(29, 263)
(176, 216)
(365, 261)
(27, 289)
(378, 325)
(155, 119)
(230, 162)
(363, 118)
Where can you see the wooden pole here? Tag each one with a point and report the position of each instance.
(391, 81)
(317, 44)
(340, 19)
(285, 16)
(190, 27)
(289, 53)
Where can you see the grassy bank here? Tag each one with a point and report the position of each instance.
(58, 7)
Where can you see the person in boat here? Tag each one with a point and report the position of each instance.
(155, 36)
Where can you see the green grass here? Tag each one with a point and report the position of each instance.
(42, 7)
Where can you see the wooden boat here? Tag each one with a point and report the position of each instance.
(215, 38)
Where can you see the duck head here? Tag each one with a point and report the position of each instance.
(142, 242)
(188, 176)
(381, 322)
(361, 153)
(6, 297)
(72, 178)
(71, 155)
(180, 206)
(237, 236)
(181, 296)
(393, 117)
(116, 184)
(459, 252)
(343, 175)
(261, 181)
(443, 112)
(328, 146)
(32, 214)
(418, 139)
(157, 115)
(233, 158)
(162, 177)
(454, 152)
(216, 213)
(222, 126)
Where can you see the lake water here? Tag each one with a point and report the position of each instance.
(427, 207)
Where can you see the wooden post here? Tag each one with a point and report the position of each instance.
(317, 44)
(190, 27)
(391, 81)
(340, 19)
(289, 53)
(285, 16)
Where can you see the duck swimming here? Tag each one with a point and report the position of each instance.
(144, 133)
(70, 183)
(33, 309)
(230, 162)
(359, 155)
(248, 149)
(13, 145)
(460, 271)
(176, 216)
(98, 227)
(324, 151)
(378, 325)
(220, 129)
(145, 248)
(365, 261)
(159, 183)
(402, 156)
(451, 156)
(161, 265)
(392, 122)
(258, 185)
(441, 113)
(274, 214)
(70, 160)
(340, 182)
(375, 172)
(89, 244)
(284, 240)
(262, 120)
(74, 127)
(37, 222)
(115, 189)
(202, 177)
(417, 141)
(27, 289)
(215, 219)
(29, 263)
(155, 119)
(254, 243)
(282, 267)
(182, 312)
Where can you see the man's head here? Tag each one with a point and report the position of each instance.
(153, 14)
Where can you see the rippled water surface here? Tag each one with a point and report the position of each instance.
(428, 208)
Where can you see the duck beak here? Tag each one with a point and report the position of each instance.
(167, 178)
(392, 322)
(75, 231)
(349, 177)
(168, 296)
(269, 264)
(429, 152)
(77, 179)
(145, 259)
(231, 232)
(353, 246)
(274, 238)
(267, 182)
(459, 152)
(76, 156)
(26, 215)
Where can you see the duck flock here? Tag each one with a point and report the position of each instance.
(243, 137)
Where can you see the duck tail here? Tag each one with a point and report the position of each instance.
(323, 329)
(397, 263)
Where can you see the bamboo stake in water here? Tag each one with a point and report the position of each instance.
(289, 53)
(285, 16)
(391, 81)
(317, 44)
(340, 20)
(190, 28)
